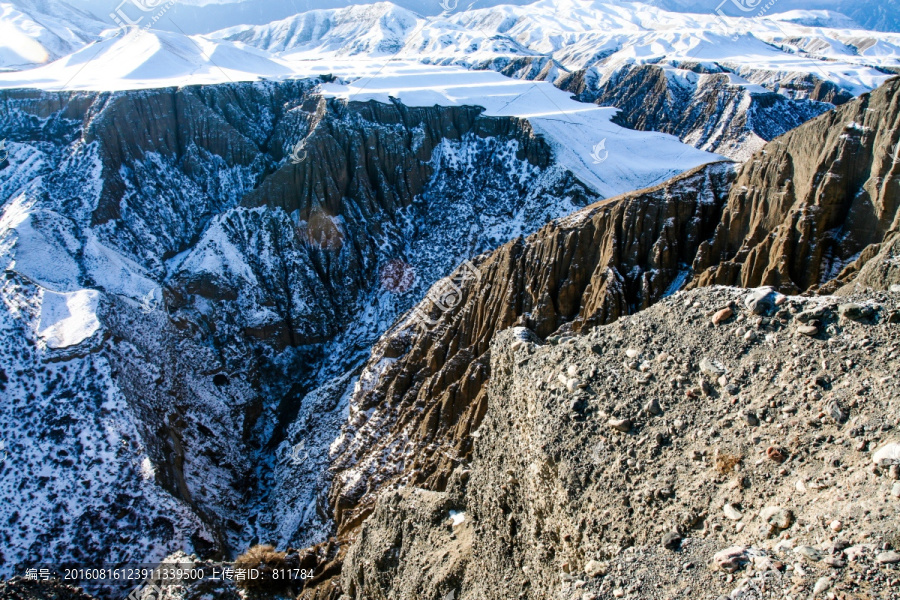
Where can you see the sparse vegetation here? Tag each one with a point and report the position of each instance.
(266, 561)
(725, 463)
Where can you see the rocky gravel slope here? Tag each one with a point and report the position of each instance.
(680, 452)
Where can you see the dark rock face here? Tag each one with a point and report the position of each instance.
(592, 267)
(792, 217)
(240, 282)
(812, 201)
(703, 109)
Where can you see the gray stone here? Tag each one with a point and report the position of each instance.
(731, 559)
(712, 367)
(623, 425)
(808, 330)
(777, 517)
(594, 568)
(888, 558)
(855, 312)
(761, 301)
(671, 541)
(822, 585)
(887, 455)
(652, 407)
(808, 552)
(732, 512)
(835, 562)
(836, 411)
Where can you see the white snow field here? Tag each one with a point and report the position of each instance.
(139, 59)
(578, 34)
(609, 158)
(46, 31)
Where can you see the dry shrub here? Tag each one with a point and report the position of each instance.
(725, 463)
(265, 559)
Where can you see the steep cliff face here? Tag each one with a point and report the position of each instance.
(812, 202)
(194, 275)
(701, 104)
(813, 205)
(421, 394)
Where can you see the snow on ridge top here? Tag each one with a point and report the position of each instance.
(818, 18)
(370, 25)
(34, 35)
(68, 318)
(611, 159)
(140, 59)
(577, 34)
(581, 34)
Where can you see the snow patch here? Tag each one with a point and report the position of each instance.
(457, 518)
(68, 318)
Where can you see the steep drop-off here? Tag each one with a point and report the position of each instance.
(192, 278)
(812, 202)
(791, 217)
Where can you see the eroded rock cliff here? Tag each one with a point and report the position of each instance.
(194, 275)
(806, 205)
(812, 201)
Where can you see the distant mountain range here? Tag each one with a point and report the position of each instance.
(196, 16)
(766, 75)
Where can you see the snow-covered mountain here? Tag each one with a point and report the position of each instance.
(40, 31)
(202, 16)
(134, 58)
(195, 273)
(582, 34)
(723, 84)
(874, 15)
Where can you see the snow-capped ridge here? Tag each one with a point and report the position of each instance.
(136, 58)
(42, 32)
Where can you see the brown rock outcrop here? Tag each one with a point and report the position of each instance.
(814, 204)
(811, 201)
